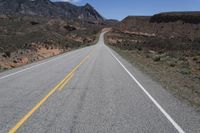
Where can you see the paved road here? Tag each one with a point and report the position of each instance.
(90, 90)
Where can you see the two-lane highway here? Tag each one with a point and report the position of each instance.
(90, 90)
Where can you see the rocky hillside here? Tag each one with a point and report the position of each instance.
(181, 25)
(25, 39)
(47, 8)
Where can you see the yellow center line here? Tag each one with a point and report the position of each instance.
(28, 115)
(65, 83)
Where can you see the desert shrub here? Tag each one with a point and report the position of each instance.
(69, 28)
(148, 56)
(7, 53)
(185, 71)
(171, 63)
(156, 58)
(138, 47)
(34, 23)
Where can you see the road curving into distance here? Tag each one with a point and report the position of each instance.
(89, 90)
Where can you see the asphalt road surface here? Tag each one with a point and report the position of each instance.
(90, 90)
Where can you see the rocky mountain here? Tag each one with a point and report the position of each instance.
(86, 12)
(48, 9)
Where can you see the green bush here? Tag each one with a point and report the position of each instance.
(156, 58)
(185, 71)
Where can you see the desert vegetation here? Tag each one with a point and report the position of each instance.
(25, 39)
(168, 50)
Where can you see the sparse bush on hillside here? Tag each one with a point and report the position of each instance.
(40, 37)
(23, 30)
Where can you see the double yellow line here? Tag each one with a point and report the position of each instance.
(59, 86)
(66, 82)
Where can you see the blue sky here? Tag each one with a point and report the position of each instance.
(119, 9)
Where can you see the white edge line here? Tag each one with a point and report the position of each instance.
(11, 74)
(178, 128)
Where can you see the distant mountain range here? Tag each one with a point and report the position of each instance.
(50, 9)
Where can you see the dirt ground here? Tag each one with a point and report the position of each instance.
(25, 56)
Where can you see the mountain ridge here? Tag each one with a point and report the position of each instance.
(47, 8)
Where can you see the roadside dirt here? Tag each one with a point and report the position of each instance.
(25, 56)
(177, 72)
